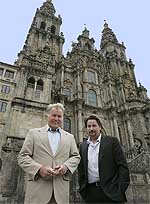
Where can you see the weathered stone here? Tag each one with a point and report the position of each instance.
(86, 81)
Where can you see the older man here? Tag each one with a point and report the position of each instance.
(49, 155)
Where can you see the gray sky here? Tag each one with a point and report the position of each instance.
(129, 20)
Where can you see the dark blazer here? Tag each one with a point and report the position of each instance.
(113, 169)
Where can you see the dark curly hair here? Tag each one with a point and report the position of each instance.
(93, 117)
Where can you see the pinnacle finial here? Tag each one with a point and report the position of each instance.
(85, 26)
(105, 24)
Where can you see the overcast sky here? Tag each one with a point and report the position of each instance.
(129, 20)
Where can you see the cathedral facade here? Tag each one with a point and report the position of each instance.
(86, 81)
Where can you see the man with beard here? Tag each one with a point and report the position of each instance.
(103, 170)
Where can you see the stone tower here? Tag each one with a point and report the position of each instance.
(86, 81)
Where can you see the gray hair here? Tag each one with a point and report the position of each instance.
(55, 105)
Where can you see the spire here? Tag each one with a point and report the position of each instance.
(85, 32)
(107, 35)
(48, 8)
(142, 91)
(84, 41)
(44, 40)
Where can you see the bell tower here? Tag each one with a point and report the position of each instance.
(40, 55)
(44, 41)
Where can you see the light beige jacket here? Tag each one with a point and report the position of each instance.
(35, 152)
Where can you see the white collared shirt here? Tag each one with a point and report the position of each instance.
(93, 154)
(54, 139)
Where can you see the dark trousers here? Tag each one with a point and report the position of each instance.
(95, 194)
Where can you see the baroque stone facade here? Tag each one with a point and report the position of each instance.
(86, 81)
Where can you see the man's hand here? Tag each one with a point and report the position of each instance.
(60, 169)
(47, 172)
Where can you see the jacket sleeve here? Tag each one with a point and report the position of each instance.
(81, 174)
(120, 159)
(74, 158)
(25, 159)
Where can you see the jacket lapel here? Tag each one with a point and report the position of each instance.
(44, 139)
(85, 157)
(102, 146)
(85, 152)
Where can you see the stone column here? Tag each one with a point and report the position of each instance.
(116, 128)
(111, 94)
(122, 91)
(80, 125)
(78, 85)
(62, 98)
(62, 79)
(35, 85)
(4, 73)
(130, 135)
(110, 90)
(112, 127)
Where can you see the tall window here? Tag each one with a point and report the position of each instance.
(31, 82)
(43, 25)
(5, 89)
(39, 85)
(3, 106)
(9, 74)
(53, 29)
(92, 98)
(67, 124)
(91, 77)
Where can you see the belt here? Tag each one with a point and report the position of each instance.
(97, 183)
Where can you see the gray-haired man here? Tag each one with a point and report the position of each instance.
(49, 155)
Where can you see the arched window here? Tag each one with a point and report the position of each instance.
(31, 82)
(40, 85)
(43, 25)
(91, 77)
(67, 93)
(92, 98)
(53, 29)
(67, 124)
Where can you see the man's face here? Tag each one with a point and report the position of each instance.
(55, 118)
(93, 129)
